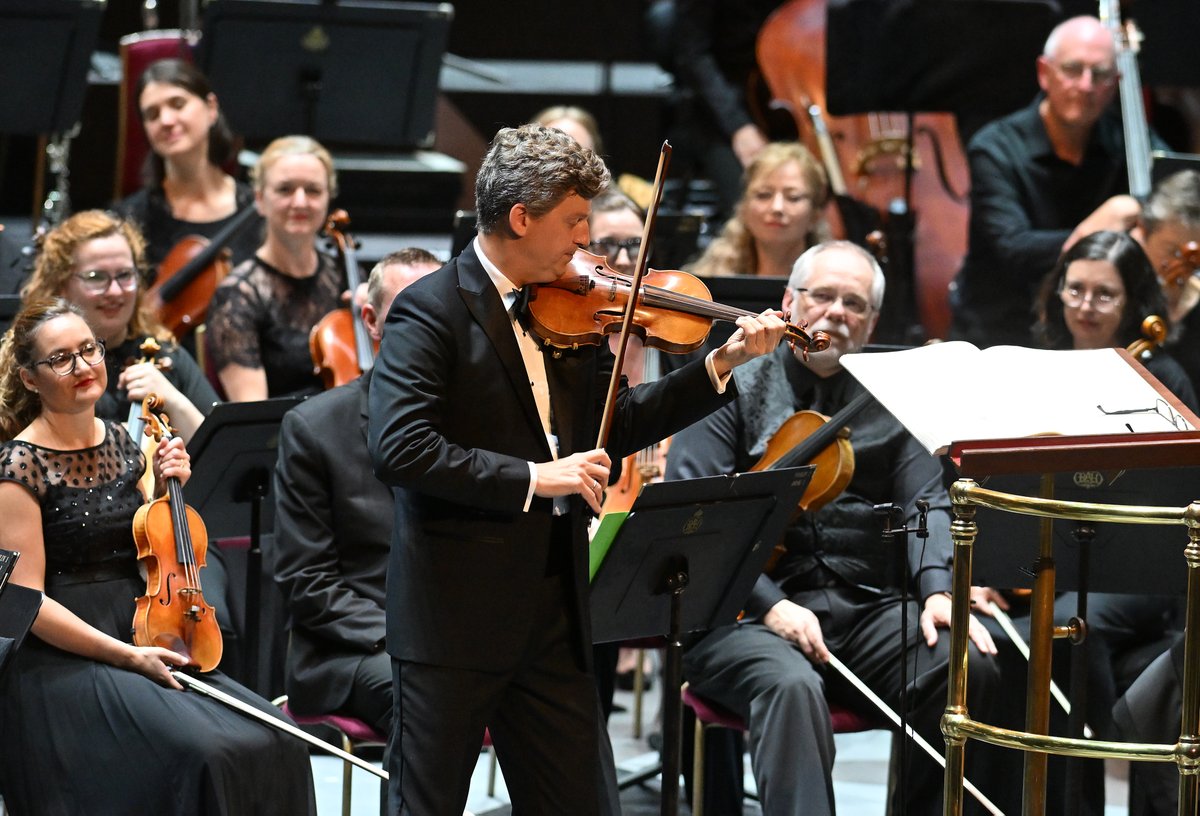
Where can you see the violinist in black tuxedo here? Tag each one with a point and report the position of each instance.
(488, 443)
(333, 528)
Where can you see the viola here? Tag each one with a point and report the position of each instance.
(868, 158)
(172, 541)
(340, 344)
(674, 310)
(811, 438)
(189, 275)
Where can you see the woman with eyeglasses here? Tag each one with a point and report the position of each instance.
(95, 261)
(262, 314)
(92, 723)
(1096, 297)
(780, 215)
(187, 190)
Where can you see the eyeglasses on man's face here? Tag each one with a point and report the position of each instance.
(1074, 71)
(97, 281)
(1103, 300)
(611, 247)
(825, 298)
(62, 363)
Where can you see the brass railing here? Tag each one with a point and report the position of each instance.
(966, 495)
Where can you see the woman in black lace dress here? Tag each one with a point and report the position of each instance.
(261, 315)
(89, 723)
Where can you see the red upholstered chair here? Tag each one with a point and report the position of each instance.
(137, 52)
(711, 715)
(355, 734)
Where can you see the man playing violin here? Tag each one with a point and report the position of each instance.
(333, 526)
(489, 445)
(1041, 178)
(834, 588)
(1169, 231)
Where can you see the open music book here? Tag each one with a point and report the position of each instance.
(953, 392)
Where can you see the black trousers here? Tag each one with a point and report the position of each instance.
(545, 723)
(783, 696)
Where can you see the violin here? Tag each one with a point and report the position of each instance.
(674, 310)
(1154, 334)
(340, 344)
(641, 467)
(189, 275)
(173, 542)
(811, 438)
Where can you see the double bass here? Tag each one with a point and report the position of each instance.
(866, 157)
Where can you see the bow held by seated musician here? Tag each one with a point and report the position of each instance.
(833, 591)
(81, 705)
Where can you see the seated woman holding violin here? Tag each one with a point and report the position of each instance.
(95, 260)
(93, 720)
(261, 315)
(779, 215)
(188, 195)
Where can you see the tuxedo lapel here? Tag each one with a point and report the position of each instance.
(485, 305)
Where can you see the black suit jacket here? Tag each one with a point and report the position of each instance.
(333, 528)
(453, 425)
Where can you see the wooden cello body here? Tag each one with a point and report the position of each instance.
(866, 157)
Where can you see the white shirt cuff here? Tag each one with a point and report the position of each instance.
(718, 383)
(532, 487)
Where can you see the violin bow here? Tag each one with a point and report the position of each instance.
(614, 383)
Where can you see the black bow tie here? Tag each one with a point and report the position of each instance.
(520, 301)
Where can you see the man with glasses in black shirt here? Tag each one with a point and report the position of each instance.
(1041, 178)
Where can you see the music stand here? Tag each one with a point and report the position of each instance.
(709, 537)
(237, 444)
(48, 44)
(350, 73)
(18, 608)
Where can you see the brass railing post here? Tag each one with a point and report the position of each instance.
(1041, 628)
(962, 532)
(1188, 755)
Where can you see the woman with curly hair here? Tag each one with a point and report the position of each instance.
(96, 261)
(778, 217)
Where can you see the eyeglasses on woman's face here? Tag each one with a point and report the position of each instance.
(62, 363)
(1102, 299)
(98, 281)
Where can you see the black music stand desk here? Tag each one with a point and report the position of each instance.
(709, 538)
(18, 608)
(233, 461)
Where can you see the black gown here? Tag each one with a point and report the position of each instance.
(82, 737)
